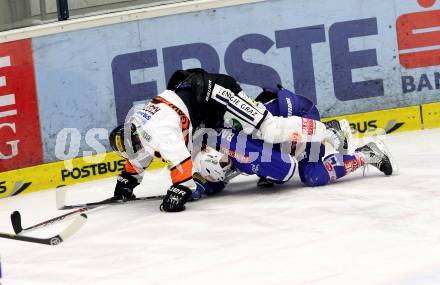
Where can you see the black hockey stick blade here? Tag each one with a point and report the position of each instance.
(18, 226)
(16, 222)
(74, 227)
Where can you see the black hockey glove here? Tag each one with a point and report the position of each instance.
(265, 183)
(124, 186)
(176, 198)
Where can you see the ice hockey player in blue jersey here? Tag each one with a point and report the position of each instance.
(234, 152)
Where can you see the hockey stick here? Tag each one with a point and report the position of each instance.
(61, 198)
(110, 201)
(80, 208)
(18, 228)
(74, 227)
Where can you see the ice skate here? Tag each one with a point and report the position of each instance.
(376, 154)
(339, 135)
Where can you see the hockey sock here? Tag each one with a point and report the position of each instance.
(338, 165)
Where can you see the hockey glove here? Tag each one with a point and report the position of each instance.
(265, 183)
(201, 185)
(205, 187)
(124, 186)
(175, 198)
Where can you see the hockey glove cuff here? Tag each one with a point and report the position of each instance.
(124, 186)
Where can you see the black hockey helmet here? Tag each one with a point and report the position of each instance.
(268, 94)
(125, 141)
(177, 79)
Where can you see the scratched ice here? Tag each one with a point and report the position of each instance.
(362, 230)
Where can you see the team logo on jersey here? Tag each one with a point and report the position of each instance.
(350, 166)
(147, 112)
(308, 126)
(236, 124)
(142, 116)
(151, 109)
(331, 170)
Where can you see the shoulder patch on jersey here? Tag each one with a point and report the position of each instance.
(222, 95)
(151, 109)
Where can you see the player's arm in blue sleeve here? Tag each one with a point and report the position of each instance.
(254, 156)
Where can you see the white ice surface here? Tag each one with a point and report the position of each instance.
(372, 230)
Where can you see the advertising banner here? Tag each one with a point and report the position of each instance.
(376, 63)
(348, 56)
(431, 115)
(61, 173)
(20, 134)
(383, 122)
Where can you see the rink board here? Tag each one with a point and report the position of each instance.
(346, 56)
(367, 229)
(384, 122)
(63, 173)
(353, 60)
(431, 115)
(57, 174)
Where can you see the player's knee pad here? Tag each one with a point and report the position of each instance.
(313, 173)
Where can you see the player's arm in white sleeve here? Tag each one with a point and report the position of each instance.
(255, 119)
(130, 177)
(275, 129)
(166, 138)
(174, 150)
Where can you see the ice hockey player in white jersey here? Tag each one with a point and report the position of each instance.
(195, 98)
